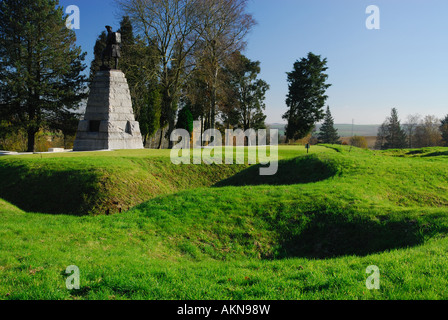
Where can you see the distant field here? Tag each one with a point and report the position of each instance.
(370, 141)
(344, 130)
(224, 232)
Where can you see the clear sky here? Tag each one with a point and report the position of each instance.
(402, 65)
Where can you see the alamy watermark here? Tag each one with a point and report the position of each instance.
(73, 20)
(373, 20)
(73, 281)
(208, 147)
(373, 281)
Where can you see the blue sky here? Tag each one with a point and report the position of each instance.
(402, 65)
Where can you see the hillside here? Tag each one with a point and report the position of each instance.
(99, 182)
(307, 233)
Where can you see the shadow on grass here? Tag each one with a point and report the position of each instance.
(48, 191)
(436, 154)
(415, 152)
(332, 235)
(301, 170)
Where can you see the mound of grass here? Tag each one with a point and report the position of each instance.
(7, 207)
(98, 183)
(104, 182)
(308, 233)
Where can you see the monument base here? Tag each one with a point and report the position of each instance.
(109, 121)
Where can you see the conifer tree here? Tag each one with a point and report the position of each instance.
(185, 119)
(391, 135)
(306, 97)
(40, 65)
(396, 136)
(328, 133)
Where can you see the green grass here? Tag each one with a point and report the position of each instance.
(224, 232)
(99, 182)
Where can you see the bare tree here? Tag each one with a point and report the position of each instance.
(444, 130)
(381, 137)
(427, 133)
(183, 30)
(224, 35)
(412, 122)
(432, 123)
(174, 27)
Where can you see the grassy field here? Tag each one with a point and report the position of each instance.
(224, 232)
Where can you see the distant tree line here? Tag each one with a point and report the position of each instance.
(306, 99)
(416, 132)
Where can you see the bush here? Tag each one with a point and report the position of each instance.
(359, 142)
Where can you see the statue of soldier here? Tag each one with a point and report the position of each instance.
(113, 49)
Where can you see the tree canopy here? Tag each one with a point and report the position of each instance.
(41, 67)
(247, 93)
(306, 98)
(188, 33)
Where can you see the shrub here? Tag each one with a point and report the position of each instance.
(359, 142)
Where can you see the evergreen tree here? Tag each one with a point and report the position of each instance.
(149, 112)
(185, 119)
(306, 97)
(328, 133)
(396, 136)
(248, 90)
(140, 64)
(98, 49)
(40, 65)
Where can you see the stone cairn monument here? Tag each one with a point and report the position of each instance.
(109, 121)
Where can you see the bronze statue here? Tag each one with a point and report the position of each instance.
(113, 49)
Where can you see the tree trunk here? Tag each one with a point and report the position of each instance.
(161, 139)
(213, 99)
(206, 127)
(31, 139)
(171, 124)
(171, 127)
(145, 139)
(202, 128)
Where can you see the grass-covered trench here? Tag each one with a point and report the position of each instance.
(139, 227)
